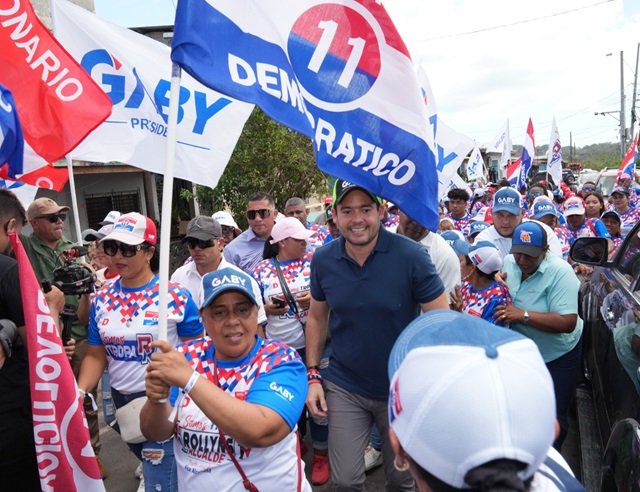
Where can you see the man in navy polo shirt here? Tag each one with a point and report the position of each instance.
(366, 286)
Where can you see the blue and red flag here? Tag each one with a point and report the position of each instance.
(337, 72)
(11, 140)
(514, 173)
(628, 164)
(528, 153)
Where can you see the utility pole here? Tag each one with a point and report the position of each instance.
(633, 97)
(623, 125)
(570, 147)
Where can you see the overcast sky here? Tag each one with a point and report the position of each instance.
(544, 63)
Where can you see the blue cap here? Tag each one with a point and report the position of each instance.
(459, 245)
(223, 280)
(543, 208)
(611, 212)
(529, 238)
(477, 226)
(619, 189)
(506, 200)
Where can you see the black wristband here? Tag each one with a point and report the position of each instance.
(317, 368)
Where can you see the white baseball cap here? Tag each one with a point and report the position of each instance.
(465, 392)
(574, 206)
(134, 229)
(111, 218)
(485, 256)
(225, 219)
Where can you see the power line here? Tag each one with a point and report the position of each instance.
(509, 25)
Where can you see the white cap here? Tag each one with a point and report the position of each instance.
(134, 229)
(111, 218)
(225, 219)
(574, 206)
(485, 256)
(465, 392)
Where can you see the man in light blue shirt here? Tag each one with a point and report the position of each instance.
(245, 251)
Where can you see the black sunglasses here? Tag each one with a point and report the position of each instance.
(54, 218)
(192, 242)
(111, 248)
(263, 212)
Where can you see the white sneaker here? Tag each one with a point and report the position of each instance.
(141, 486)
(138, 472)
(372, 458)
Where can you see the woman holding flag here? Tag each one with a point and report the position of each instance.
(123, 323)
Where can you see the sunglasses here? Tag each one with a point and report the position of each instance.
(53, 218)
(584, 188)
(127, 250)
(193, 242)
(534, 195)
(227, 230)
(263, 213)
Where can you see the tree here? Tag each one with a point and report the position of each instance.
(268, 157)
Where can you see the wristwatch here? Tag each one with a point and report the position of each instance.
(525, 317)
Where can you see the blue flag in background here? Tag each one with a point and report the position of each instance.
(11, 140)
(336, 72)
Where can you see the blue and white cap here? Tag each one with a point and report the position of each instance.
(477, 227)
(459, 376)
(485, 256)
(506, 200)
(456, 240)
(543, 208)
(224, 280)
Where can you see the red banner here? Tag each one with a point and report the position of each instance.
(47, 177)
(65, 457)
(59, 104)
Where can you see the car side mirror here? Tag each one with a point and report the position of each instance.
(589, 250)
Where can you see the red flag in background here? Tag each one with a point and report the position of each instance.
(65, 457)
(59, 104)
(47, 177)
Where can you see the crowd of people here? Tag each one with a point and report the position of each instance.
(346, 327)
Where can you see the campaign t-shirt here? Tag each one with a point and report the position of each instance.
(125, 322)
(483, 302)
(589, 228)
(461, 224)
(297, 272)
(271, 375)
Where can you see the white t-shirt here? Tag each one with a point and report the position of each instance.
(504, 243)
(444, 259)
(189, 277)
(125, 322)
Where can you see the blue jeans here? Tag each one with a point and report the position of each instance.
(158, 461)
(564, 372)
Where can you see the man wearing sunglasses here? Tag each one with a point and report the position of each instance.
(205, 242)
(18, 464)
(245, 251)
(44, 247)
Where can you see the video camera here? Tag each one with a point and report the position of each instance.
(71, 278)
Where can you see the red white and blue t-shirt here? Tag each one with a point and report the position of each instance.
(461, 224)
(125, 322)
(391, 224)
(629, 219)
(319, 239)
(271, 375)
(482, 303)
(589, 228)
(297, 273)
(564, 236)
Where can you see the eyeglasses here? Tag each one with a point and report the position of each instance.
(193, 242)
(127, 250)
(53, 218)
(588, 188)
(263, 212)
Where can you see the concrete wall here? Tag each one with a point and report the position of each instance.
(42, 9)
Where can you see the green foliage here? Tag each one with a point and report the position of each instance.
(268, 157)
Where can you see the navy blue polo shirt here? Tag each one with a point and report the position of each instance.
(370, 306)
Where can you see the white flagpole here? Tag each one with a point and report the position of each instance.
(74, 201)
(167, 196)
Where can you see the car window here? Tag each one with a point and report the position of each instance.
(628, 259)
(605, 185)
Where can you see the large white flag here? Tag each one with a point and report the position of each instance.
(135, 71)
(475, 165)
(554, 158)
(451, 146)
(502, 143)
